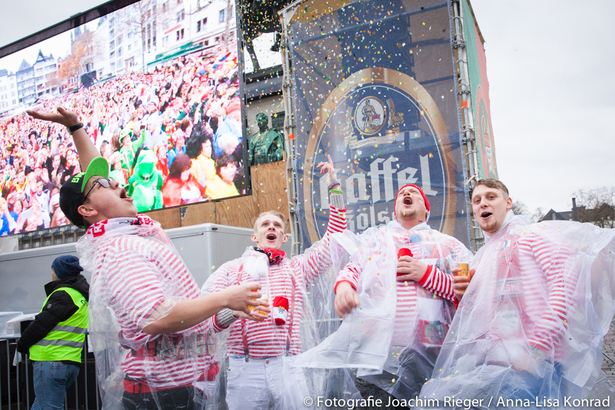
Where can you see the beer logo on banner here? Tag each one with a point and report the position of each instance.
(383, 130)
(370, 116)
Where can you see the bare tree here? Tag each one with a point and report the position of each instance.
(537, 215)
(519, 208)
(596, 205)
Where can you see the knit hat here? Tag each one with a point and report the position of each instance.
(66, 266)
(425, 200)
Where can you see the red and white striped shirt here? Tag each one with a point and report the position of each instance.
(133, 274)
(530, 267)
(266, 339)
(430, 246)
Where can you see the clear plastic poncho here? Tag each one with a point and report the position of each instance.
(137, 278)
(530, 325)
(393, 355)
(269, 377)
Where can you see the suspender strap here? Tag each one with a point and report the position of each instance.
(244, 324)
(291, 314)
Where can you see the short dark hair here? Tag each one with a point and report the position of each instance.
(493, 183)
(223, 161)
(179, 165)
(185, 123)
(194, 143)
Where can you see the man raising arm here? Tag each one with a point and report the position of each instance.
(141, 286)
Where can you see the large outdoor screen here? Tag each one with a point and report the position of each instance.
(156, 85)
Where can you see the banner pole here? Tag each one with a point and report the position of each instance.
(467, 117)
(289, 129)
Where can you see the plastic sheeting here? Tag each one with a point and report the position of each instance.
(396, 356)
(530, 326)
(269, 376)
(137, 278)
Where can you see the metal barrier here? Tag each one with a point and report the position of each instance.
(49, 237)
(17, 387)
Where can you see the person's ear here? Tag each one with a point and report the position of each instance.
(509, 203)
(284, 238)
(253, 237)
(87, 211)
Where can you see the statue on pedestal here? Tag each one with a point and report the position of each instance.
(266, 145)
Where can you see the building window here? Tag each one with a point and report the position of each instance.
(180, 15)
(180, 34)
(198, 26)
(221, 16)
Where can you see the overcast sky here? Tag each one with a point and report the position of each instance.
(550, 66)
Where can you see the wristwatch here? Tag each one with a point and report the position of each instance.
(75, 127)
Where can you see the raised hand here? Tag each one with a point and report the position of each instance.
(63, 116)
(330, 168)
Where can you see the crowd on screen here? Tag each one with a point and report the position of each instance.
(171, 137)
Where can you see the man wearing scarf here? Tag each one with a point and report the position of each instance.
(148, 323)
(258, 375)
(396, 298)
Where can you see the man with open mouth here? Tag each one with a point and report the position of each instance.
(396, 298)
(147, 316)
(259, 375)
(529, 327)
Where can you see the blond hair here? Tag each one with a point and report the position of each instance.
(274, 213)
(493, 183)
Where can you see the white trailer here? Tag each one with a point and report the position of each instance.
(203, 248)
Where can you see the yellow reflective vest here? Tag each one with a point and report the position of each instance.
(67, 339)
